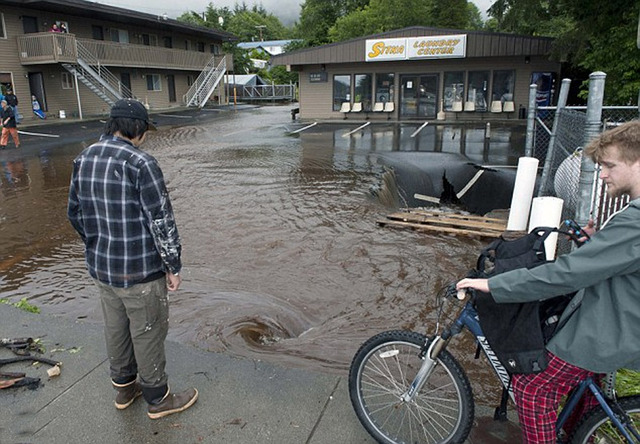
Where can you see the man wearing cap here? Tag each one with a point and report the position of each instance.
(119, 204)
(12, 101)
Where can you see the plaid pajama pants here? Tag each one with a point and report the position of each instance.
(538, 397)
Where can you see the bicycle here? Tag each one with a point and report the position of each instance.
(407, 388)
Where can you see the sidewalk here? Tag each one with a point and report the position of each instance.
(241, 401)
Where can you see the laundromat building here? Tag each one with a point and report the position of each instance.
(420, 72)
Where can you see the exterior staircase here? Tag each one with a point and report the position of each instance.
(97, 78)
(206, 83)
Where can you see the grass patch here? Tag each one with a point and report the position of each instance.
(627, 382)
(22, 304)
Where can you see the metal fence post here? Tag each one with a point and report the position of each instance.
(546, 171)
(593, 127)
(531, 121)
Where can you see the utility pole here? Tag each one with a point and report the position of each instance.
(261, 27)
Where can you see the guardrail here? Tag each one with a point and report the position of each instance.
(51, 47)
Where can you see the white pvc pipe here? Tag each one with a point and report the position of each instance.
(522, 193)
(547, 212)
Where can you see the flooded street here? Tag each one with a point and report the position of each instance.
(283, 259)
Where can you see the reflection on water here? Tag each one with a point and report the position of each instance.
(283, 259)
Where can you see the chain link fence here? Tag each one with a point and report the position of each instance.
(558, 138)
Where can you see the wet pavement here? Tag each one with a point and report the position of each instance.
(283, 260)
(241, 401)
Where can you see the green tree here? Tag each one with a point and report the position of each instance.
(590, 35)
(451, 14)
(316, 17)
(381, 16)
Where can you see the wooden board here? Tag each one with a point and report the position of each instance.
(453, 223)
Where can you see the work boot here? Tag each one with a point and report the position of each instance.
(127, 393)
(173, 403)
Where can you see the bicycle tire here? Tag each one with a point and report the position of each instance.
(382, 370)
(596, 427)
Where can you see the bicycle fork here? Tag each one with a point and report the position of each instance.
(429, 356)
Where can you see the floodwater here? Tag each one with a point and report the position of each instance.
(283, 259)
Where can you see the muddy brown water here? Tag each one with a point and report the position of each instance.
(283, 259)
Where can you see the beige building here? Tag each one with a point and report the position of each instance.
(419, 72)
(105, 54)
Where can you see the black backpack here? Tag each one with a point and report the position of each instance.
(518, 332)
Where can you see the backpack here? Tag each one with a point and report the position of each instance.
(518, 332)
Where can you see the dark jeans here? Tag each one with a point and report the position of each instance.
(136, 323)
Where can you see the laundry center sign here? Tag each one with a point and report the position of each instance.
(435, 47)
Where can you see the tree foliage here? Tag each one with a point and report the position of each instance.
(591, 35)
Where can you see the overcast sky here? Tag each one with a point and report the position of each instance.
(286, 10)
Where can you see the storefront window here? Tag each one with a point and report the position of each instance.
(453, 90)
(341, 90)
(503, 85)
(478, 89)
(362, 90)
(384, 88)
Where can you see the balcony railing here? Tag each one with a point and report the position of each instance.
(50, 47)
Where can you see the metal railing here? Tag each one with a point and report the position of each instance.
(113, 83)
(205, 83)
(51, 47)
(47, 47)
(268, 92)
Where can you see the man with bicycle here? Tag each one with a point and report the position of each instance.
(602, 322)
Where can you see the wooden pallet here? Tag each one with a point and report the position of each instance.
(467, 225)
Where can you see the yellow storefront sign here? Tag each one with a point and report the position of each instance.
(434, 47)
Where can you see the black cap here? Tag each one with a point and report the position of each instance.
(131, 109)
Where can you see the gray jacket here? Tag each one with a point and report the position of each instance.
(603, 334)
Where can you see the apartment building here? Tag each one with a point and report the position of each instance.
(77, 57)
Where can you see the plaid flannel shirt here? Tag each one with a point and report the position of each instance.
(119, 204)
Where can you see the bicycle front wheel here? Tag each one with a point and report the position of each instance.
(596, 427)
(382, 371)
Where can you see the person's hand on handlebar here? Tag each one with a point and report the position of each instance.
(477, 284)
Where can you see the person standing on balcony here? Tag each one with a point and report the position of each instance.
(8, 126)
(120, 206)
(55, 28)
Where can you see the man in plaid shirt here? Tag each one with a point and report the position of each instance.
(119, 204)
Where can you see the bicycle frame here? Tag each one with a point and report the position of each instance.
(468, 318)
(626, 429)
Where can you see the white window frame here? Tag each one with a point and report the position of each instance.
(156, 81)
(67, 80)
(4, 28)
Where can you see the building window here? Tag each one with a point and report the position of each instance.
(168, 42)
(503, 85)
(453, 90)
(215, 49)
(341, 90)
(67, 80)
(200, 46)
(478, 89)
(97, 32)
(119, 35)
(187, 45)
(384, 88)
(3, 33)
(362, 90)
(189, 80)
(153, 82)
(150, 39)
